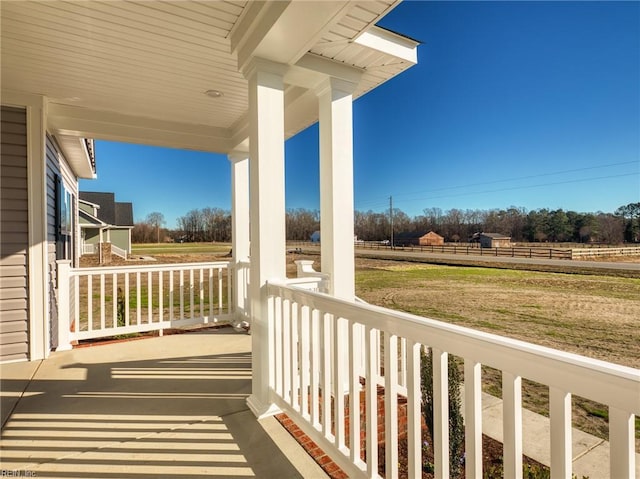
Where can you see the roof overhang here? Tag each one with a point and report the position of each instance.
(78, 154)
(136, 71)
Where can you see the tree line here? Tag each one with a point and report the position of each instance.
(198, 225)
(455, 225)
(541, 225)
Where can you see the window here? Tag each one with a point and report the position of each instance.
(64, 221)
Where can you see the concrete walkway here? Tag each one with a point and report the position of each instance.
(590, 453)
(160, 407)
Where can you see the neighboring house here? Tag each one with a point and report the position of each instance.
(492, 240)
(418, 239)
(103, 220)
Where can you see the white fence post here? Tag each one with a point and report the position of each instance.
(621, 440)
(64, 301)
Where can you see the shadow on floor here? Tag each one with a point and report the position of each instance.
(172, 414)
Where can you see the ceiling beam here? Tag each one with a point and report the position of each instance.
(391, 43)
(284, 32)
(105, 125)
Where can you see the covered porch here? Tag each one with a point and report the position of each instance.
(238, 78)
(175, 404)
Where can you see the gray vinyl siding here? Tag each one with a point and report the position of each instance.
(120, 238)
(14, 236)
(53, 172)
(58, 170)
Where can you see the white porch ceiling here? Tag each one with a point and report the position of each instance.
(137, 70)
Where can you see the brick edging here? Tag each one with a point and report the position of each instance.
(317, 454)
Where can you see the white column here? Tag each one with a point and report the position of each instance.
(240, 232)
(39, 313)
(336, 185)
(267, 216)
(335, 110)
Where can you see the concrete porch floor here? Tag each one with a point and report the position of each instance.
(172, 406)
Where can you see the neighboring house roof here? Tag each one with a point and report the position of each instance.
(106, 201)
(495, 235)
(110, 211)
(124, 214)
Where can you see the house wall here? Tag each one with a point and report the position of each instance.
(120, 238)
(91, 236)
(501, 243)
(58, 246)
(431, 239)
(86, 208)
(14, 236)
(488, 242)
(485, 242)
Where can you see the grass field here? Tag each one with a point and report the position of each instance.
(179, 248)
(596, 316)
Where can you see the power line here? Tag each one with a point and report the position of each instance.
(377, 202)
(523, 187)
(470, 193)
(541, 175)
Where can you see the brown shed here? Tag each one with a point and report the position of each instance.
(431, 238)
(418, 239)
(494, 240)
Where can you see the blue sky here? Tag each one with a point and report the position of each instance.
(528, 104)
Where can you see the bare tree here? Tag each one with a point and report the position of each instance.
(611, 228)
(156, 219)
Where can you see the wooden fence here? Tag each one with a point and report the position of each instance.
(514, 251)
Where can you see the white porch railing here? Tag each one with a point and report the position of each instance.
(118, 251)
(105, 302)
(316, 371)
(305, 270)
(88, 248)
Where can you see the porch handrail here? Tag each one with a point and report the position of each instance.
(88, 248)
(294, 387)
(118, 251)
(108, 301)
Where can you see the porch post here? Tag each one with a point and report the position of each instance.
(336, 210)
(240, 232)
(38, 285)
(267, 215)
(336, 186)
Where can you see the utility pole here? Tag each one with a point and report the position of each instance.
(391, 218)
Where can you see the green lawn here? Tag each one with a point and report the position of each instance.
(179, 248)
